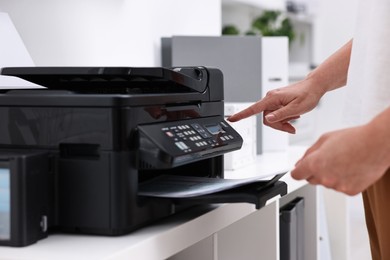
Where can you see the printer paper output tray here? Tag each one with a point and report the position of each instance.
(226, 191)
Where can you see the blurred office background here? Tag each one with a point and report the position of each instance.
(128, 33)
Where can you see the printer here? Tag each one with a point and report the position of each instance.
(74, 152)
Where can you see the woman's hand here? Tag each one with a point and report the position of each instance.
(283, 105)
(348, 160)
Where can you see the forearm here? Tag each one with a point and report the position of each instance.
(332, 73)
(379, 134)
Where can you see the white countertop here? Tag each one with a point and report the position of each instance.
(168, 236)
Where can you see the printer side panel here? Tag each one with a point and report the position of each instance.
(50, 127)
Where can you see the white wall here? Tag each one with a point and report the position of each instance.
(334, 26)
(107, 32)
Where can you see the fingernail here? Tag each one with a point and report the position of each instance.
(270, 117)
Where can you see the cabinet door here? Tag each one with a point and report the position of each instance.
(254, 237)
(312, 235)
(204, 250)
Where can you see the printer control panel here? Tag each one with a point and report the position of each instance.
(189, 136)
(184, 141)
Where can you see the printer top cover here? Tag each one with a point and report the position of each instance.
(121, 86)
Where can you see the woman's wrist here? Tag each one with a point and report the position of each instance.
(317, 86)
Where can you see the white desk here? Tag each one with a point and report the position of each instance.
(176, 233)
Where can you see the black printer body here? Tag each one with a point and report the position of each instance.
(93, 134)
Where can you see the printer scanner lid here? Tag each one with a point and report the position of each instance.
(130, 83)
(91, 78)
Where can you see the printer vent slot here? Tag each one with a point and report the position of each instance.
(80, 151)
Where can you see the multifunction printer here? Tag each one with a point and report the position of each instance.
(74, 151)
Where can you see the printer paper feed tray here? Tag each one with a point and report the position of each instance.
(257, 193)
(185, 190)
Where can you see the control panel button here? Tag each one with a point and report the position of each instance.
(181, 145)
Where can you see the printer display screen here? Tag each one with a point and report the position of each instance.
(5, 204)
(214, 129)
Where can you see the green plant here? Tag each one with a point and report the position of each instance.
(230, 30)
(269, 23)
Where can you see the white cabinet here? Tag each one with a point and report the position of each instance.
(256, 236)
